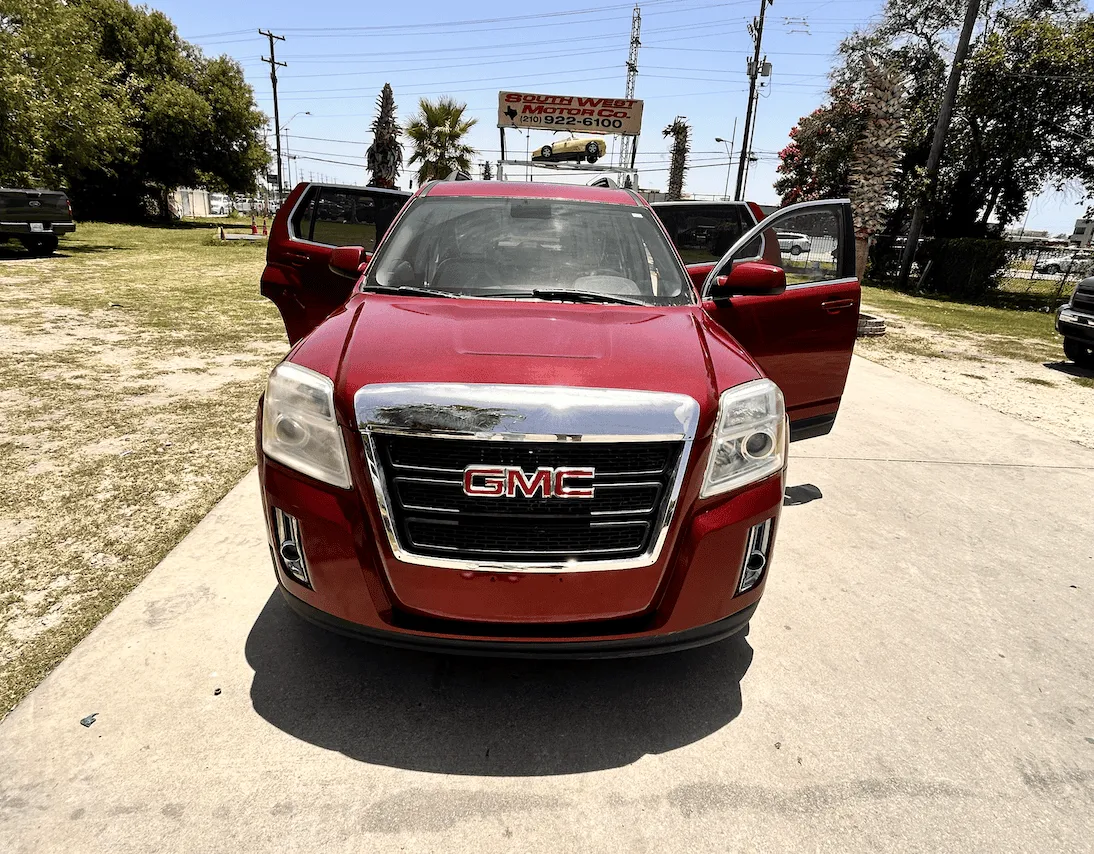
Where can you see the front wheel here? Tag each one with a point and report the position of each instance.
(1081, 353)
(1051, 269)
(40, 246)
(545, 152)
(795, 250)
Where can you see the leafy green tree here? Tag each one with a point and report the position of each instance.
(817, 162)
(63, 108)
(1022, 119)
(437, 133)
(385, 155)
(106, 100)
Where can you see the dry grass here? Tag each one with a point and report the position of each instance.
(1011, 361)
(134, 359)
(1024, 335)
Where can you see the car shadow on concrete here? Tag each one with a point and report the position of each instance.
(801, 494)
(1070, 368)
(463, 715)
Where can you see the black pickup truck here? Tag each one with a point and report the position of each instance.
(35, 218)
(1075, 321)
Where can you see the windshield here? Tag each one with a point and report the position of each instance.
(499, 247)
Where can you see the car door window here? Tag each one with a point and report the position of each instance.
(808, 243)
(337, 216)
(702, 232)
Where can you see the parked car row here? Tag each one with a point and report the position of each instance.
(1072, 265)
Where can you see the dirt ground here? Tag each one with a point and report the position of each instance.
(133, 362)
(1039, 388)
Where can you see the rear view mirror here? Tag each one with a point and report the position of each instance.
(348, 261)
(750, 278)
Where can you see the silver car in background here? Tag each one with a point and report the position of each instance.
(794, 243)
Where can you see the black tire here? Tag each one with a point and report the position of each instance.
(545, 152)
(795, 250)
(40, 246)
(592, 158)
(1051, 269)
(1081, 353)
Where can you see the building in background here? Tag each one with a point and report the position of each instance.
(1083, 233)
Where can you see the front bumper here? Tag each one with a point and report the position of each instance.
(1077, 325)
(623, 647)
(359, 586)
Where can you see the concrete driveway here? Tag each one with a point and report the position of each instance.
(918, 677)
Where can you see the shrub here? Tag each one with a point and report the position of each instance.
(965, 268)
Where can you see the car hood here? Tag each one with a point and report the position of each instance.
(405, 340)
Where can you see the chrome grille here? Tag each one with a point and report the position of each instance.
(419, 438)
(432, 515)
(1083, 299)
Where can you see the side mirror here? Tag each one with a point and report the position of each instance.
(750, 278)
(349, 261)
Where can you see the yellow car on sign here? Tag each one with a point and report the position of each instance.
(574, 148)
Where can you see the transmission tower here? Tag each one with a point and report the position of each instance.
(628, 147)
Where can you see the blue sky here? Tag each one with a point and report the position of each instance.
(692, 63)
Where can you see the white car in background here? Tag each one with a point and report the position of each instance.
(793, 242)
(219, 204)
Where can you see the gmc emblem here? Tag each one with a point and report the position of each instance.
(511, 482)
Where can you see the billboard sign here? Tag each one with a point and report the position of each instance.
(570, 112)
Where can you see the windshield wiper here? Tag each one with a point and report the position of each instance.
(562, 295)
(408, 290)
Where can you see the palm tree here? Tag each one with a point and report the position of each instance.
(437, 132)
(385, 155)
(876, 154)
(680, 131)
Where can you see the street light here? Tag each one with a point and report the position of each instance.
(288, 158)
(729, 156)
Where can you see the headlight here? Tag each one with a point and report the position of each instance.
(749, 441)
(298, 425)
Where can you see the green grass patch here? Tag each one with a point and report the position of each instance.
(128, 385)
(1026, 335)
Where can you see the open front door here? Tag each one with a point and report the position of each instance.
(313, 221)
(803, 337)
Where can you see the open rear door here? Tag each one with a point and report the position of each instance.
(313, 221)
(803, 337)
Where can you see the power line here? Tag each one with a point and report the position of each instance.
(501, 50)
(537, 16)
(448, 82)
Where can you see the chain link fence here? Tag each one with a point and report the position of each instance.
(1009, 274)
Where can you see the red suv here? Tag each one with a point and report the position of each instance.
(525, 427)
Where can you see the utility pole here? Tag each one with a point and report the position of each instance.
(756, 30)
(941, 128)
(272, 59)
(628, 146)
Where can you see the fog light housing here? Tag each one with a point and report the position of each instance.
(288, 547)
(757, 550)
